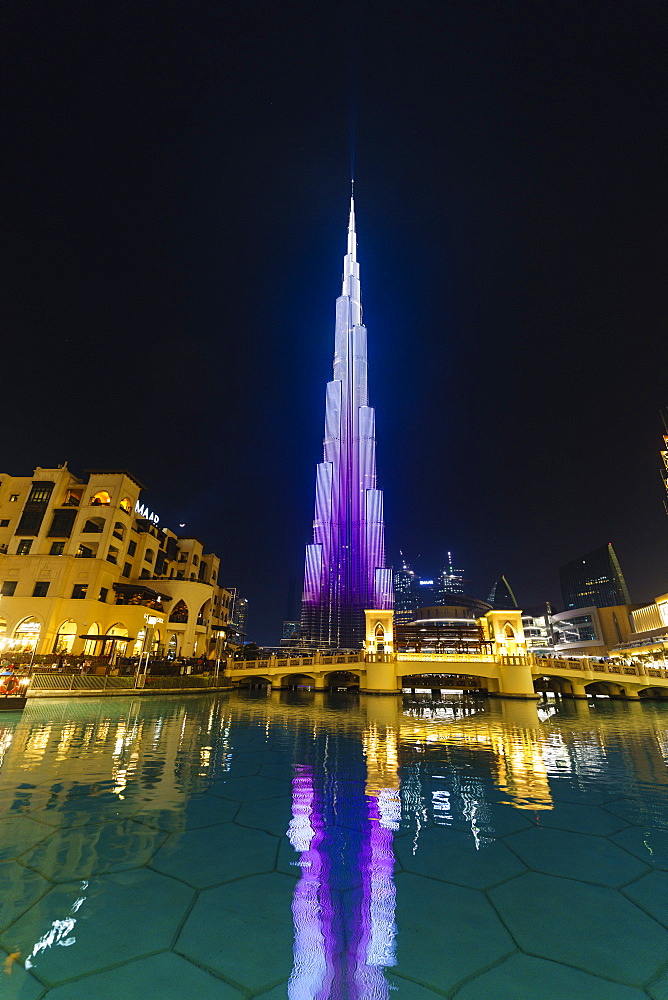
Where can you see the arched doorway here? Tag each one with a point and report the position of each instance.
(26, 634)
(90, 645)
(117, 648)
(172, 646)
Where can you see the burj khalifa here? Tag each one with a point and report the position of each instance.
(345, 572)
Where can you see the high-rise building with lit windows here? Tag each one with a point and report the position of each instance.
(345, 572)
(594, 580)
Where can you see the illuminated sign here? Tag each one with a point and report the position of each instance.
(426, 583)
(143, 511)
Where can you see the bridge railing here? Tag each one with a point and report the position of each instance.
(292, 662)
(615, 667)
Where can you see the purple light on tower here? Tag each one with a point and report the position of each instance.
(345, 571)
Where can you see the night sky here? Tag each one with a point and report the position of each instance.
(176, 190)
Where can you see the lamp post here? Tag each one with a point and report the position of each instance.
(150, 621)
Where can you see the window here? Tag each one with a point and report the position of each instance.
(132, 548)
(40, 492)
(119, 531)
(195, 559)
(62, 524)
(13, 498)
(127, 569)
(144, 574)
(25, 546)
(103, 594)
(101, 499)
(149, 555)
(30, 523)
(79, 591)
(126, 505)
(4, 522)
(72, 499)
(183, 556)
(41, 588)
(112, 554)
(57, 548)
(8, 588)
(86, 552)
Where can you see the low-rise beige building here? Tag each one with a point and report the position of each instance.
(86, 568)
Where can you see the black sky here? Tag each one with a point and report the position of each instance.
(176, 185)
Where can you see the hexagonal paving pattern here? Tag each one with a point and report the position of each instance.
(272, 815)
(206, 897)
(465, 920)
(84, 926)
(19, 889)
(216, 854)
(522, 977)
(659, 989)
(575, 855)
(94, 849)
(249, 789)
(649, 845)
(158, 977)
(651, 894)
(76, 804)
(590, 927)
(18, 833)
(243, 931)
(454, 856)
(580, 818)
(199, 811)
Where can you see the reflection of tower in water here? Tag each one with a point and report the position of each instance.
(343, 906)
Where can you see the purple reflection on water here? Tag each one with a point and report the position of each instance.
(344, 937)
(375, 937)
(312, 911)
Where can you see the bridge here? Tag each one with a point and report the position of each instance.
(505, 669)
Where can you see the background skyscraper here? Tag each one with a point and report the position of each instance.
(344, 571)
(595, 580)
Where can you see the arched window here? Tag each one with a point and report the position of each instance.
(195, 559)
(508, 631)
(101, 498)
(380, 631)
(126, 505)
(67, 633)
(94, 525)
(179, 613)
(171, 647)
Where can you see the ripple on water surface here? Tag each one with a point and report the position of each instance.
(331, 846)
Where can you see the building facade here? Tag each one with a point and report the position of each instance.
(594, 580)
(86, 569)
(344, 570)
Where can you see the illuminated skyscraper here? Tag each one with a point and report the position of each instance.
(345, 571)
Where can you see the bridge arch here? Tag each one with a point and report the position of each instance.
(295, 680)
(342, 678)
